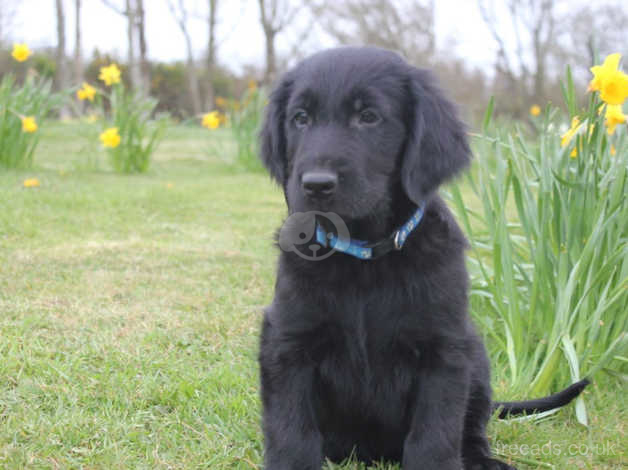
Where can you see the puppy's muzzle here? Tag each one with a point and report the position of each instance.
(319, 184)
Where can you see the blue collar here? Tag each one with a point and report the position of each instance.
(364, 250)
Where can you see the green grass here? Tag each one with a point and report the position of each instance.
(129, 312)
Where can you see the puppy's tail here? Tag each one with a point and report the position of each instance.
(513, 408)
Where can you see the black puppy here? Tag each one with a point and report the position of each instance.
(371, 352)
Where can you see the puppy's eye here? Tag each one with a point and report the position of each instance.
(368, 117)
(301, 119)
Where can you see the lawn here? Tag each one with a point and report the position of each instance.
(130, 308)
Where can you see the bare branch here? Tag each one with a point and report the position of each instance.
(274, 18)
(114, 7)
(406, 26)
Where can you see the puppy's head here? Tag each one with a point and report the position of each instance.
(349, 128)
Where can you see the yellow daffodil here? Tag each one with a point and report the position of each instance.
(600, 72)
(21, 52)
(613, 150)
(29, 124)
(613, 116)
(252, 86)
(615, 90)
(211, 120)
(87, 92)
(110, 74)
(221, 102)
(611, 82)
(110, 137)
(31, 183)
(567, 136)
(535, 110)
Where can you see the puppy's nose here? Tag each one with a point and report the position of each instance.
(319, 183)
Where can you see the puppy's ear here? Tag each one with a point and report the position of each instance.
(272, 135)
(436, 148)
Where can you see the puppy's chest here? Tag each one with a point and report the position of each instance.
(366, 360)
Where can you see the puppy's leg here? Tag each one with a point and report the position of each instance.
(476, 452)
(434, 440)
(292, 440)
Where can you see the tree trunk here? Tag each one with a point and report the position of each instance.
(134, 69)
(193, 86)
(62, 70)
(180, 15)
(78, 57)
(211, 54)
(271, 61)
(141, 29)
(268, 14)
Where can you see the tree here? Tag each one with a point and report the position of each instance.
(78, 56)
(61, 77)
(594, 31)
(275, 15)
(180, 13)
(524, 64)
(405, 26)
(536, 39)
(134, 13)
(211, 51)
(131, 32)
(143, 46)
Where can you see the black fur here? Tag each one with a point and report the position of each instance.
(376, 359)
(512, 408)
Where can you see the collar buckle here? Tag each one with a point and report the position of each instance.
(397, 240)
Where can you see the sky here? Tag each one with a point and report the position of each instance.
(240, 38)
